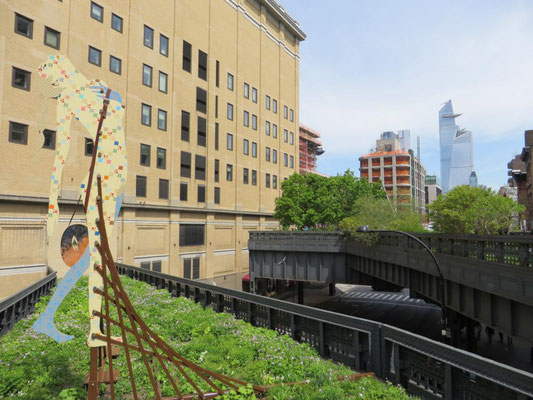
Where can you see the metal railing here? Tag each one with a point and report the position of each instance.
(426, 368)
(21, 304)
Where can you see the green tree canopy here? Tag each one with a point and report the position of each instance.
(474, 210)
(316, 201)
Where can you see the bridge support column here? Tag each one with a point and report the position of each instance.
(300, 286)
(332, 289)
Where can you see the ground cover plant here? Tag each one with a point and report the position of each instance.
(34, 367)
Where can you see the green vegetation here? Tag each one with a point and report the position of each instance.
(474, 210)
(315, 201)
(34, 367)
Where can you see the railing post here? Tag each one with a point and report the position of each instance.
(178, 289)
(448, 382)
(220, 303)
(270, 313)
(321, 339)
(293, 326)
(207, 298)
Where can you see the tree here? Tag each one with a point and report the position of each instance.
(316, 201)
(474, 210)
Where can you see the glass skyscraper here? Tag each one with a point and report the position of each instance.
(456, 157)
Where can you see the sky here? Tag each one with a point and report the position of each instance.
(373, 66)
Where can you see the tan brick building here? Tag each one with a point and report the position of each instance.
(211, 94)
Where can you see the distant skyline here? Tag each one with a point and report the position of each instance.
(370, 67)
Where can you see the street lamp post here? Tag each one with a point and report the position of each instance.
(442, 294)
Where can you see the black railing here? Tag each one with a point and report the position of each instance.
(21, 304)
(506, 249)
(426, 368)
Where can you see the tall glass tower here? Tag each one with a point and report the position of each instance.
(456, 156)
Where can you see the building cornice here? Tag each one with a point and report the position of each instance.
(288, 21)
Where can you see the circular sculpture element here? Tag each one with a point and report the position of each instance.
(73, 243)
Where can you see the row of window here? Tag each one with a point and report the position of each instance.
(191, 266)
(141, 183)
(24, 27)
(146, 117)
(147, 74)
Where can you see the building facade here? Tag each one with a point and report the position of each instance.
(456, 150)
(310, 149)
(521, 181)
(400, 172)
(432, 189)
(211, 95)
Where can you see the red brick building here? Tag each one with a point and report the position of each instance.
(310, 149)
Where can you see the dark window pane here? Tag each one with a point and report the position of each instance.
(156, 266)
(254, 177)
(23, 26)
(202, 131)
(187, 268)
(267, 180)
(163, 188)
(185, 164)
(161, 158)
(192, 235)
(162, 120)
(21, 79)
(217, 75)
(216, 135)
(145, 155)
(116, 22)
(201, 194)
(49, 139)
(199, 167)
(201, 100)
(245, 173)
(229, 172)
(202, 65)
(183, 191)
(97, 12)
(140, 187)
(95, 56)
(145, 265)
(89, 147)
(217, 195)
(52, 37)
(185, 125)
(196, 268)
(163, 45)
(217, 170)
(18, 133)
(148, 37)
(187, 56)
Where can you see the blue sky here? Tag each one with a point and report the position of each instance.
(372, 66)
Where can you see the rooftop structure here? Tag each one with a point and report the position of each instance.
(310, 149)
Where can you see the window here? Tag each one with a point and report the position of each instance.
(230, 81)
(49, 139)
(267, 154)
(291, 141)
(246, 120)
(292, 115)
(254, 122)
(163, 189)
(201, 194)
(274, 181)
(115, 65)
(163, 82)
(195, 268)
(147, 75)
(192, 235)
(285, 112)
(52, 37)
(187, 268)
(156, 266)
(285, 159)
(145, 264)
(216, 135)
(199, 167)
(23, 26)
(202, 65)
(202, 131)
(292, 161)
(254, 149)
(89, 147)
(230, 112)
(163, 45)
(217, 170)
(217, 195)
(183, 191)
(148, 37)
(145, 155)
(187, 56)
(18, 133)
(140, 186)
(246, 147)
(161, 158)
(201, 100)
(185, 164)
(267, 128)
(254, 177)
(95, 56)
(229, 141)
(185, 125)
(246, 90)
(274, 131)
(217, 73)
(274, 156)
(229, 172)
(20, 79)
(254, 95)
(216, 106)
(97, 12)
(116, 23)
(267, 102)
(146, 114)
(245, 173)
(285, 135)
(275, 106)
(267, 181)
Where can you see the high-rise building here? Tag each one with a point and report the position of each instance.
(456, 150)
(310, 149)
(401, 173)
(211, 95)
